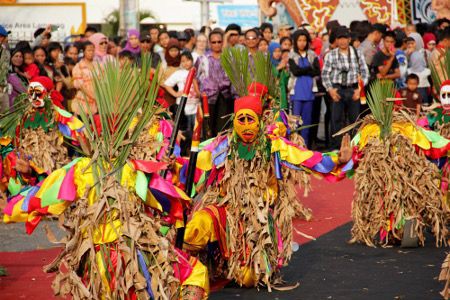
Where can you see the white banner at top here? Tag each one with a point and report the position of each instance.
(24, 18)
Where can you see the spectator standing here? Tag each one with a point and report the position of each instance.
(417, 65)
(18, 83)
(384, 64)
(71, 51)
(201, 46)
(263, 46)
(89, 31)
(154, 34)
(30, 69)
(172, 59)
(55, 62)
(42, 37)
(145, 43)
(82, 81)
(429, 39)
(438, 54)
(178, 78)
(251, 41)
(400, 55)
(215, 84)
(192, 39)
(232, 33)
(340, 75)
(267, 31)
(133, 44)
(316, 42)
(100, 42)
(304, 66)
(370, 45)
(161, 48)
(5, 58)
(284, 31)
(286, 43)
(413, 99)
(280, 70)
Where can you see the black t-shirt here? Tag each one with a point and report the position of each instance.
(380, 59)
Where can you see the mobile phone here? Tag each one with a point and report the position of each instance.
(61, 57)
(54, 27)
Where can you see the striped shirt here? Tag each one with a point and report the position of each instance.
(342, 70)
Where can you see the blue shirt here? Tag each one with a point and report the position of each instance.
(303, 84)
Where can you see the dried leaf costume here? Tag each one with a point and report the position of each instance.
(35, 130)
(396, 179)
(117, 211)
(249, 200)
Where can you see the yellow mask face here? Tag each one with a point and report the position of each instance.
(246, 125)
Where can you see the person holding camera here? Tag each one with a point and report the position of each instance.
(343, 67)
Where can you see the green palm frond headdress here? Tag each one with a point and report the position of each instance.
(122, 94)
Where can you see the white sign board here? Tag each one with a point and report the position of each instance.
(23, 19)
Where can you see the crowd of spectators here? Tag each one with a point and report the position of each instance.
(320, 73)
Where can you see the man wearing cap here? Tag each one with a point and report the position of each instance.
(342, 69)
(284, 30)
(4, 64)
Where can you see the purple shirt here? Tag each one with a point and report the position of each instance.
(212, 78)
(17, 87)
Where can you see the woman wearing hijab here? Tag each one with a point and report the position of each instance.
(429, 39)
(170, 64)
(417, 64)
(133, 44)
(172, 59)
(100, 42)
(280, 70)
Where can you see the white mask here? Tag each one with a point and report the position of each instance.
(36, 94)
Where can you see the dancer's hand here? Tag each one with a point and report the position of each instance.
(23, 166)
(346, 152)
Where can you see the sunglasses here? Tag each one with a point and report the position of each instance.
(216, 42)
(103, 43)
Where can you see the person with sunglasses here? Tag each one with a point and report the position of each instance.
(100, 42)
(215, 83)
(252, 40)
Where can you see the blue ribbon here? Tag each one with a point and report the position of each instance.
(146, 274)
(278, 165)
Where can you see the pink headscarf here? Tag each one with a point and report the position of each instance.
(96, 39)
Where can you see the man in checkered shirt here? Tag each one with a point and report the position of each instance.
(342, 69)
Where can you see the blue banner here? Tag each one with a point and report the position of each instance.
(244, 15)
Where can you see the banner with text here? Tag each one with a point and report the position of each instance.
(245, 15)
(24, 18)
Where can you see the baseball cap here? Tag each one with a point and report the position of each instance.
(342, 32)
(3, 31)
(286, 26)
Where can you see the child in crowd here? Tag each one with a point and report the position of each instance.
(178, 79)
(412, 98)
(125, 57)
(30, 70)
